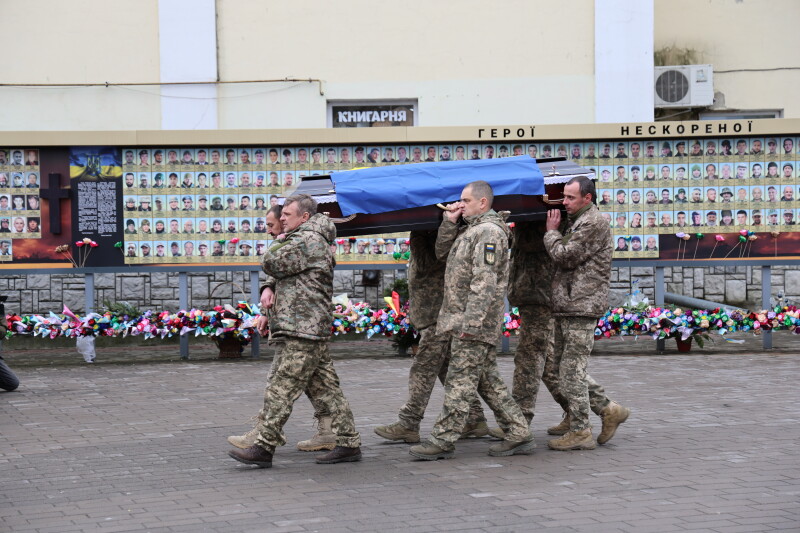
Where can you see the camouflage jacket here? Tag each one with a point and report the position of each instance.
(581, 253)
(425, 280)
(531, 271)
(476, 276)
(300, 271)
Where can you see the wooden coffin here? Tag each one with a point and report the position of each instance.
(556, 171)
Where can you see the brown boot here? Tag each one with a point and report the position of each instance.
(339, 454)
(574, 440)
(497, 434)
(613, 415)
(561, 428)
(475, 431)
(254, 455)
(324, 439)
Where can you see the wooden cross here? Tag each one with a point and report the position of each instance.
(54, 194)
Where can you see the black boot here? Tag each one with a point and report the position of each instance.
(340, 454)
(254, 455)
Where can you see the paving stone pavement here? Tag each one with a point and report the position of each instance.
(712, 445)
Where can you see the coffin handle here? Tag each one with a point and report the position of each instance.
(341, 220)
(546, 199)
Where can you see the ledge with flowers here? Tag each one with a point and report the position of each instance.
(237, 323)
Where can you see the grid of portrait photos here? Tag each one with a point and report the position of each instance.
(20, 212)
(722, 185)
(181, 202)
(194, 205)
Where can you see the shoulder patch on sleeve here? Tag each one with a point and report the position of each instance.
(489, 253)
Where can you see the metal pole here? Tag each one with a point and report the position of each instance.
(88, 292)
(183, 303)
(255, 296)
(766, 293)
(660, 290)
(505, 344)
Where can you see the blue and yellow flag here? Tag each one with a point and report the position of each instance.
(94, 162)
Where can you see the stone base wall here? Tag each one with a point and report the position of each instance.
(738, 286)
(41, 293)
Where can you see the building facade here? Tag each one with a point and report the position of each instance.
(144, 65)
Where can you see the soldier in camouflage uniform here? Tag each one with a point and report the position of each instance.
(580, 247)
(300, 274)
(476, 277)
(529, 287)
(324, 439)
(529, 291)
(426, 290)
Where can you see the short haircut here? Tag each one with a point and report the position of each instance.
(481, 189)
(586, 186)
(276, 211)
(304, 202)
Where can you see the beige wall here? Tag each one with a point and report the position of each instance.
(468, 62)
(90, 41)
(736, 35)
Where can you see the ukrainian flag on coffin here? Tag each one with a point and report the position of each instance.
(94, 162)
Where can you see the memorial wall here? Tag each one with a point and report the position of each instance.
(670, 191)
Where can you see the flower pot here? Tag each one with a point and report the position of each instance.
(684, 346)
(229, 347)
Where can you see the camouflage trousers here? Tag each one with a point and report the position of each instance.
(577, 392)
(320, 409)
(473, 367)
(432, 359)
(302, 364)
(534, 348)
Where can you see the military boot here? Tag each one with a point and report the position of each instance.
(339, 454)
(428, 451)
(254, 455)
(249, 438)
(324, 439)
(506, 448)
(398, 431)
(475, 431)
(561, 428)
(574, 440)
(613, 415)
(497, 434)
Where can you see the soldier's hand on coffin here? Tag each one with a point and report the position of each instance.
(454, 211)
(553, 219)
(262, 325)
(267, 298)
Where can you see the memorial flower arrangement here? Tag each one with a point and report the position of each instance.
(222, 321)
(696, 324)
(85, 248)
(238, 322)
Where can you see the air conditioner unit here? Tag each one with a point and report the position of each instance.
(684, 86)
